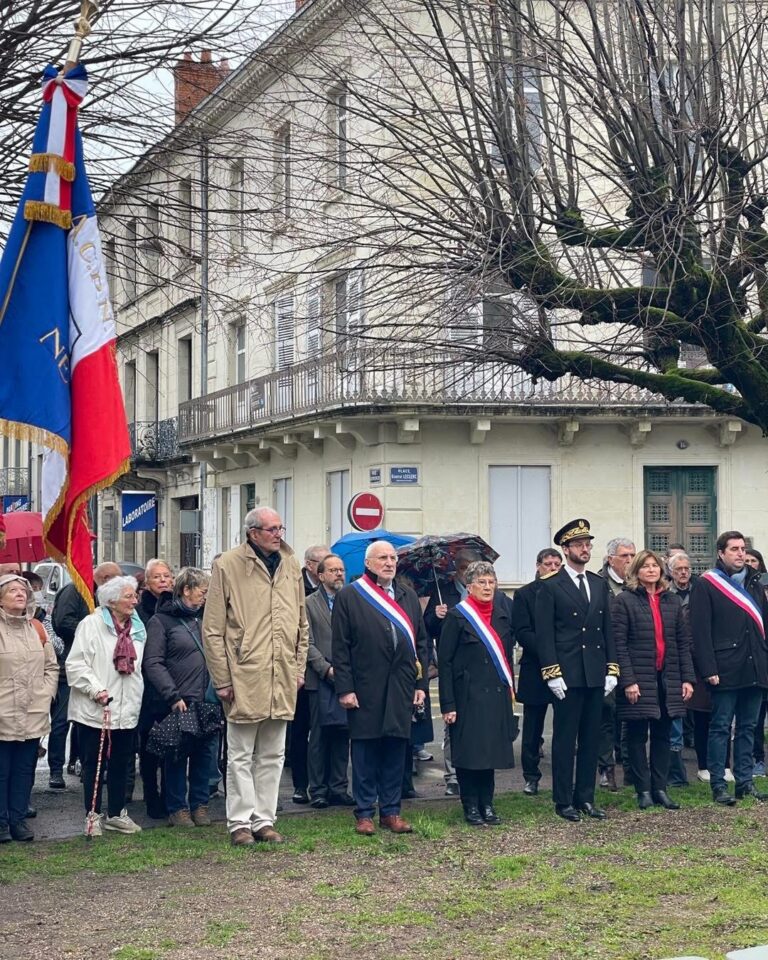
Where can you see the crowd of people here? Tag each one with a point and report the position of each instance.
(225, 675)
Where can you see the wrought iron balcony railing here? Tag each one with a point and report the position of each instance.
(154, 440)
(385, 377)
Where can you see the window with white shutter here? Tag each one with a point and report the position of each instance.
(350, 319)
(285, 342)
(314, 342)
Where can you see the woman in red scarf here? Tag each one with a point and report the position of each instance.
(104, 672)
(653, 646)
(474, 658)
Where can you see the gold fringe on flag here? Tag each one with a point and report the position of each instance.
(47, 213)
(45, 162)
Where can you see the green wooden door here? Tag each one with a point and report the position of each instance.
(681, 507)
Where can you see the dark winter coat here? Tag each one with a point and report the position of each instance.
(635, 640)
(69, 609)
(449, 593)
(147, 606)
(574, 638)
(531, 688)
(726, 640)
(173, 663)
(375, 661)
(481, 738)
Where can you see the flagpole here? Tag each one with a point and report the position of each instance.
(88, 10)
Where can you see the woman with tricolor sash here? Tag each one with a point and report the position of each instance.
(477, 691)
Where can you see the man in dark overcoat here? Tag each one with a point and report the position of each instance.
(328, 755)
(380, 660)
(532, 691)
(578, 664)
(729, 616)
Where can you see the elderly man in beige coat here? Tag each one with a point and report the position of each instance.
(255, 638)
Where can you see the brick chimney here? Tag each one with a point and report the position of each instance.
(193, 81)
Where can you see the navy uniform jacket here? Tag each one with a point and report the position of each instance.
(575, 640)
(531, 688)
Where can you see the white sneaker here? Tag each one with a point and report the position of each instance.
(122, 824)
(93, 825)
(729, 777)
(703, 775)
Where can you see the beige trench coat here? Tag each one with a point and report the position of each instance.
(255, 634)
(29, 679)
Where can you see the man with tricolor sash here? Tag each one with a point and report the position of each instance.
(380, 660)
(728, 614)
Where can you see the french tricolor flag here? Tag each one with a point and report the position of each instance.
(59, 386)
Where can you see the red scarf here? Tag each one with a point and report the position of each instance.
(124, 656)
(483, 608)
(658, 628)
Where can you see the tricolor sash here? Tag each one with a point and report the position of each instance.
(736, 594)
(492, 642)
(381, 601)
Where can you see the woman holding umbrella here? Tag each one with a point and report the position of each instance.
(476, 689)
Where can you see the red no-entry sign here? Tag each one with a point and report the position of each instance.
(365, 511)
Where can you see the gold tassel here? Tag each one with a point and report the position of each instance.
(47, 213)
(46, 162)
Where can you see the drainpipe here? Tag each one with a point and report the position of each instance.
(204, 212)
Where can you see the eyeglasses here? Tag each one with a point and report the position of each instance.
(485, 583)
(271, 530)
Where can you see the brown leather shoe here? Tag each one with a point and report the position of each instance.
(242, 837)
(201, 817)
(364, 826)
(268, 835)
(180, 819)
(395, 823)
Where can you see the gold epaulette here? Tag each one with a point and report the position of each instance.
(546, 576)
(551, 673)
(613, 670)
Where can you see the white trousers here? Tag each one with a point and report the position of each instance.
(255, 755)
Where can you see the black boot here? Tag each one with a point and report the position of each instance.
(749, 790)
(472, 813)
(644, 800)
(489, 815)
(21, 831)
(661, 799)
(720, 795)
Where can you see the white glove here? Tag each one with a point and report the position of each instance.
(557, 687)
(610, 685)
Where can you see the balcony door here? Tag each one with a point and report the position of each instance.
(681, 507)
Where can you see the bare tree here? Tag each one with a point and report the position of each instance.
(590, 176)
(128, 55)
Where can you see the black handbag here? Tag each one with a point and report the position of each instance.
(177, 734)
(330, 711)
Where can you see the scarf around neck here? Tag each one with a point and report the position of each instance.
(124, 656)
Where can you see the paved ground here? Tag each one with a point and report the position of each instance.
(61, 812)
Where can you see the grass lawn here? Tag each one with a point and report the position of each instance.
(640, 885)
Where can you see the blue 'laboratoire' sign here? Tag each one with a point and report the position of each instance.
(403, 474)
(12, 504)
(138, 510)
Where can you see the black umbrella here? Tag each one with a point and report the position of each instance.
(430, 555)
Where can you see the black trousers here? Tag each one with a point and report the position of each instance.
(151, 770)
(610, 735)
(121, 754)
(327, 755)
(476, 786)
(18, 759)
(534, 715)
(300, 741)
(377, 774)
(575, 742)
(758, 751)
(650, 768)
